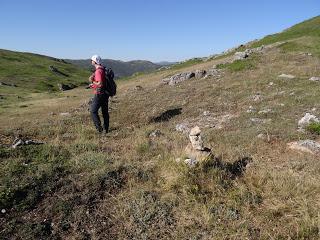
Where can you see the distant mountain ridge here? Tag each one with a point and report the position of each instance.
(120, 68)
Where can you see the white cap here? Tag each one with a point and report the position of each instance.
(96, 59)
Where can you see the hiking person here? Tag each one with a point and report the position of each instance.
(100, 99)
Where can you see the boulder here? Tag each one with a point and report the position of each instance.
(308, 146)
(200, 73)
(180, 77)
(307, 120)
(241, 55)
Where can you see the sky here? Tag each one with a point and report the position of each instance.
(155, 30)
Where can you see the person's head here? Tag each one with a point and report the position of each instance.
(96, 59)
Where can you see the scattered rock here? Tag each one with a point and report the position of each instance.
(288, 76)
(180, 77)
(241, 55)
(155, 134)
(308, 146)
(259, 120)
(182, 128)
(191, 162)
(65, 114)
(265, 111)
(138, 88)
(200, 73)
(214, 72)
(307, 120)
(251, 109)
(257, 97)
(20, 142)
(315, 79)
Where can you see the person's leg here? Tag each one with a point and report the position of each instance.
(94, 113)
(105, 112)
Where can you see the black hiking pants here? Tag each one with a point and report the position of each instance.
(100, 101)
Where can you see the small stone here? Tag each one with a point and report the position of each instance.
(156, 133)
(3, 211)
(313, 109)
(288, 76)
(270, 84)
(65, 114)
(191, 162)
(200, 73)
(257, 97)
(261, 136)
(315, 79)
(265, 111)
(206, 113)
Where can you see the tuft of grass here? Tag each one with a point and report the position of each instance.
(314, 128)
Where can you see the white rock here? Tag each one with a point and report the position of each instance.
(308, 146)
(181, 127)
(191, 162)
(288, 76)
(265, 111)
(3, 211)
(65, 114)
(307, 119)
(195, 131)
(257, 97)
(316, 79)
(271, 84)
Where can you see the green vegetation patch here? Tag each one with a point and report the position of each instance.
(314, 128)
(238, 65)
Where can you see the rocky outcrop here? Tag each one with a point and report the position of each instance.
(200, 73)
(180, 77)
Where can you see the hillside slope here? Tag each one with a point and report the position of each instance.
(134, 183)
(32, 72)
(121, 68)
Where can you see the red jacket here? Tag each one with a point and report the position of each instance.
(98, 80)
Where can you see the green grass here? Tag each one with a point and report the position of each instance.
(238, 65)
(187, 63)
(307, 28)
(314, 128)
(31, 72)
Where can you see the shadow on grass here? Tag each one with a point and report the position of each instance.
(167, 115)
(235, 169)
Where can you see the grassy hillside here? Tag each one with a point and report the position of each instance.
(130, 185)
(303, 36)
(31, 72)
(121, 68)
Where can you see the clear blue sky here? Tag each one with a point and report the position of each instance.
(155, 30)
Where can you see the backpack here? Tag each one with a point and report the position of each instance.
(111, 86)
